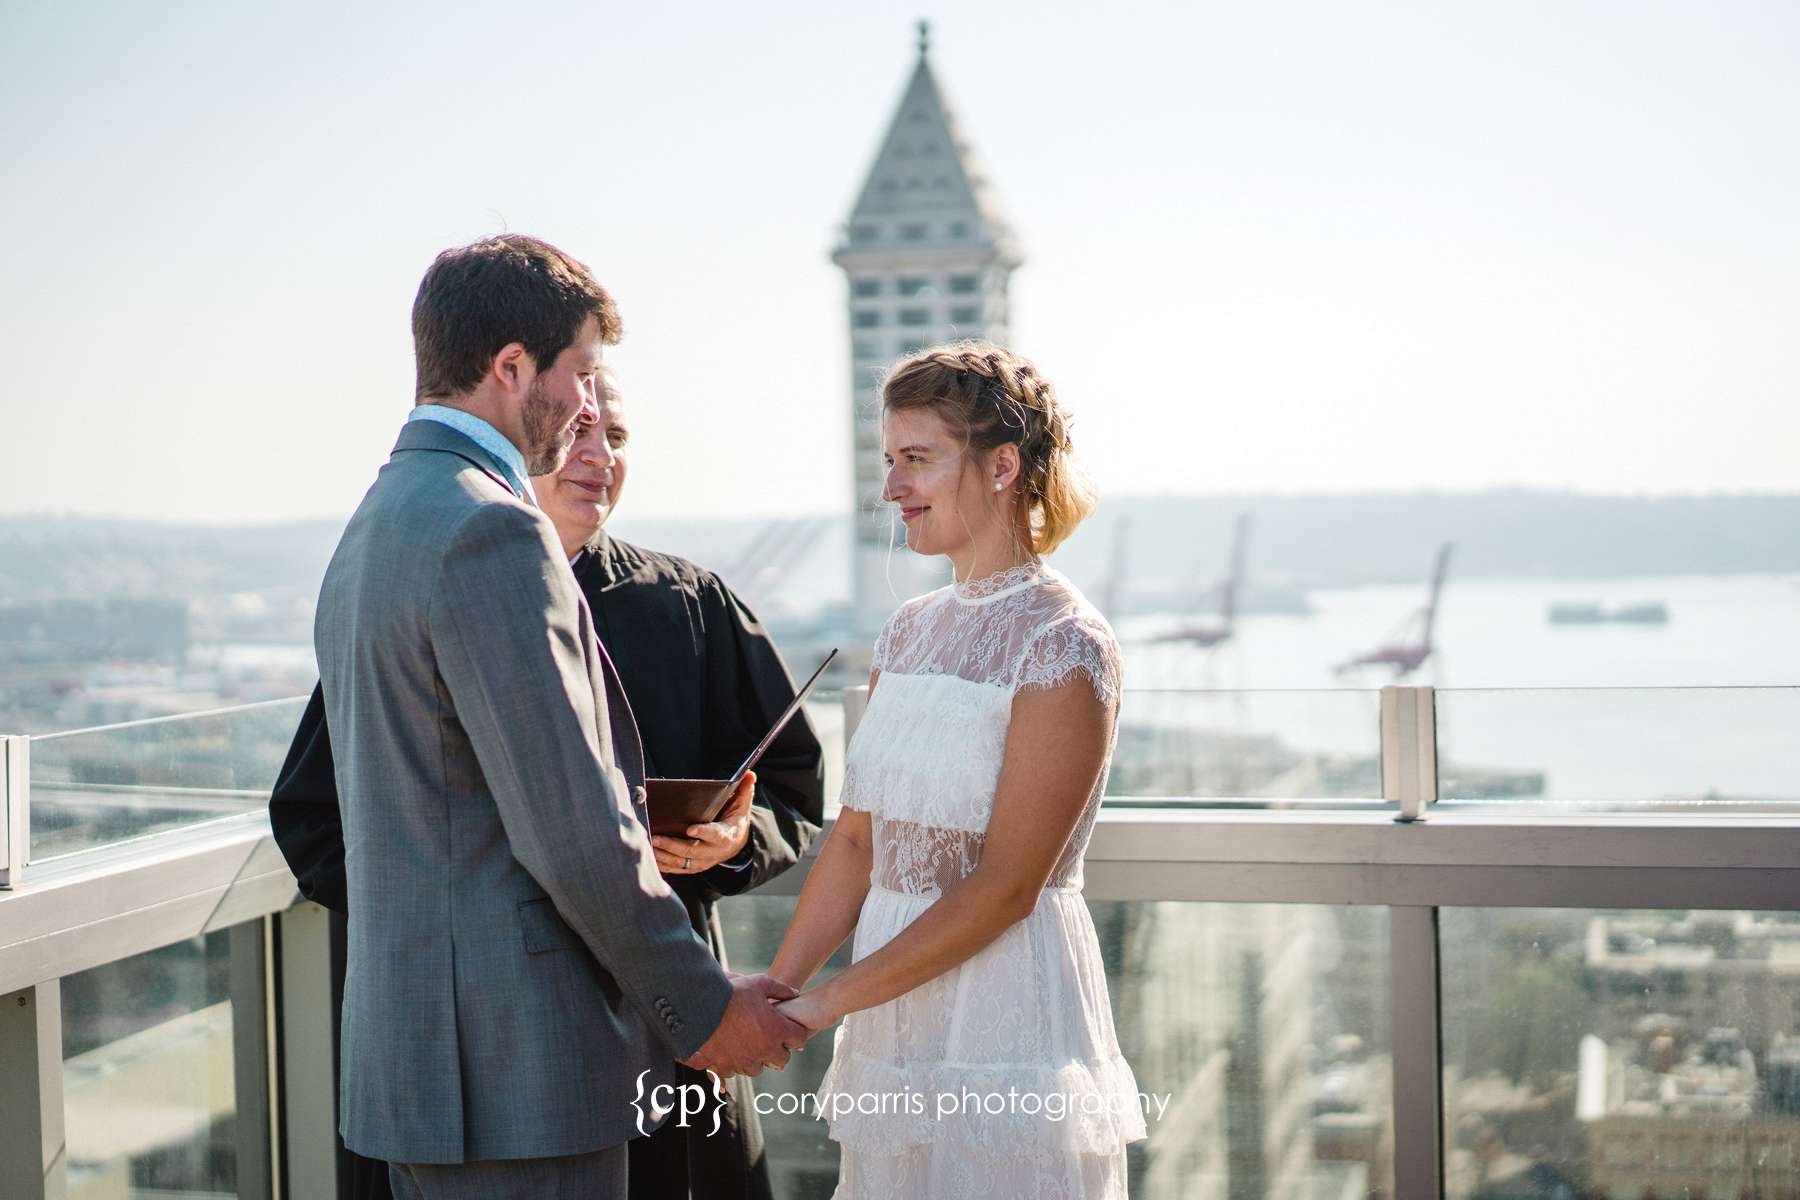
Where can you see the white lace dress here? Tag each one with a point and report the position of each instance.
(960, 1058)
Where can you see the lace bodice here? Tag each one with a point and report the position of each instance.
(926, 758)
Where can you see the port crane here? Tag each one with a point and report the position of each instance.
(1113, 596)
(1409, 645)
(1207, 633)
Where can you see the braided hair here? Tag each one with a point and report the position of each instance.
(993, 397)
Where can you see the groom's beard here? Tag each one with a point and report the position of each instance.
(546, 442)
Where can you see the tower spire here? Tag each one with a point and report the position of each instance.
(924, 38)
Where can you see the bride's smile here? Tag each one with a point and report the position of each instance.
(953, 499)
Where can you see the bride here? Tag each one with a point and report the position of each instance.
(977, 1055)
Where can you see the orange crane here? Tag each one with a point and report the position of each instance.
(1407, 650)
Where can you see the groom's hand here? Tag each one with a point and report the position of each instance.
(752, 1034)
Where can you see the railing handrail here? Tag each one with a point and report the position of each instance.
(114, 901)
(166, 719)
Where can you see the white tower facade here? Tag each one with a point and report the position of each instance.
(927, 258)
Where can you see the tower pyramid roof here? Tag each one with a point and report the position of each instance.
(927, 168)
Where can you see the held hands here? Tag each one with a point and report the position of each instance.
(710, 844)
(752, 1035)
(811, 1010)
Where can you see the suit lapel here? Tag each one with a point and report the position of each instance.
(627, 745)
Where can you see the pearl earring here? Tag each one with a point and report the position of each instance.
(999, 486)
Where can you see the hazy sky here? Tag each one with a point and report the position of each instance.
(1294, 247)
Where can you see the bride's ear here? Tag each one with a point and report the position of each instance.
(1003, 467)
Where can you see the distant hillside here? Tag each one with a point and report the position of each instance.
(42, 558)
(1179, 544)
(1176, 544)
(1356, 539)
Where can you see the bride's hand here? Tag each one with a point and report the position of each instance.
(809, 1009)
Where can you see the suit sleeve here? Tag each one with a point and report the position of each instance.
(303, 811)
(514, 651)
(747, 687)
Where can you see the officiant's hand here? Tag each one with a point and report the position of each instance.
(708, 845)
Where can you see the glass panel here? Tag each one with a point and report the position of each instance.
(1714, 750)
(149, 1094)
(1614, 1054)
(94, 787)
(1262, 745)
(1258, 1034)
(826, 711)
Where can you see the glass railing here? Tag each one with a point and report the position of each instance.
(96, 787)
(1620, 1054)
(1716, 751)
(150, 1075)
(1581, 1051)
(1697, 750)
(1276, 747)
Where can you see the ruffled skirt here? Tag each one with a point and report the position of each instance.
(999, 1079)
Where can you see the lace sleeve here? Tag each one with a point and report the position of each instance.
(884, 645)
(1077, 645)
(896, 634)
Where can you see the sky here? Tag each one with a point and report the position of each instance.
(1286, 247)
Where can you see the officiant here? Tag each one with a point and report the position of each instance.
(705, 682)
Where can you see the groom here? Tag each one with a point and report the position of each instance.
(519, 973)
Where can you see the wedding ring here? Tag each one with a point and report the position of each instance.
(687, 864)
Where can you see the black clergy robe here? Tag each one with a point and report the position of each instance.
(705, 682)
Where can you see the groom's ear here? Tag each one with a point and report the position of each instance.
(513, 367)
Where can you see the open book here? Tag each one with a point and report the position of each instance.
(677, 803)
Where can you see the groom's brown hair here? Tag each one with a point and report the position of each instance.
(477, 299)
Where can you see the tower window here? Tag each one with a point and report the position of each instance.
(862, 289)
(965, 285)
(865, 319)
(912, 233)
(912, 285)
(864, 233)
(865, 348)
(966, 314)
(959, 229)
(915, 316)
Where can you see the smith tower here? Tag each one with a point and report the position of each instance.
(927, 256)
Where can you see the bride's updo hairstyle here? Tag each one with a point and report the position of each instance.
(991, 397)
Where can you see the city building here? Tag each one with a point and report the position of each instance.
(927, 258)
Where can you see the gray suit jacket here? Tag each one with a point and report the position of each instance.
(515, 958)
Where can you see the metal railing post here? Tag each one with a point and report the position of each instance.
(1409, 780)
(15, 807)
(307, 1157)
(33, 1153)
(1418, 1052)
(250, 1059)
(856, 702)
(1409, 749)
